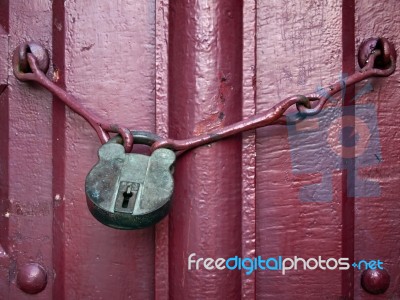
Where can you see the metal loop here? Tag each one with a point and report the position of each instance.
(311, 111)
(140, 137)
(303, 101)
(21, 64)
(387, 54)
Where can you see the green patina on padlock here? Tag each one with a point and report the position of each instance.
(130, 190)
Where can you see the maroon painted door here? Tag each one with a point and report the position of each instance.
(181, 68)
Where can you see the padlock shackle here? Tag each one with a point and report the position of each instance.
(139, 137)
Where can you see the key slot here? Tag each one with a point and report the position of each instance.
(126, 198)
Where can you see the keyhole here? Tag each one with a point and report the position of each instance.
(127, 196)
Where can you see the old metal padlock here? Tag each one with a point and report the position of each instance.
(130, 190)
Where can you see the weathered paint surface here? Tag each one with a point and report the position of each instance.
(29, 212)
(377, 225)
(295, 56)
(205, 92)
(180, 68)
(109, 64)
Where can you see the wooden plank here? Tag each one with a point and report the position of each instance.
(205, 58)
(29, 160)
(377, 205)
(110, 67)
(299, 195)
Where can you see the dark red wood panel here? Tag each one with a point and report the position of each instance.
(205, 79)
(377, 225)
(30, 210)
(110, 66)
(4, 178)
(299, 48)
(348, 164)
(4, 13)
(58, 148)
(182, 68)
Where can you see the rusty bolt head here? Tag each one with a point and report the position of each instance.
(20, 58)
(32, 278)
(384, 60)
(375, 281)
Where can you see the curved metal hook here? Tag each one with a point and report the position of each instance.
(28, 67)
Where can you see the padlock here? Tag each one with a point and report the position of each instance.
(130, 190)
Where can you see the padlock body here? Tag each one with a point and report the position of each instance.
(130, 190)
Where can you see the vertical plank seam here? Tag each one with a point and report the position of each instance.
(249, 146)
(58, 148)
(348, 175)
(161, 260)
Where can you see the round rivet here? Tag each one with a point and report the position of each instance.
(375, 281)
(32, 278)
